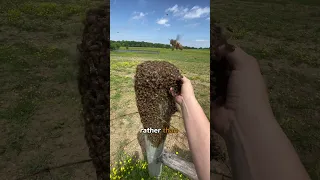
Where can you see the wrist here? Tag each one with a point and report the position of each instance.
(188, 100)
(226, 127)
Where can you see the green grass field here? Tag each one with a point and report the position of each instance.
(284, 35)
(39, 99)
(125, 122)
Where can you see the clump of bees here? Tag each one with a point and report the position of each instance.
(93, 85)
(220, 70)
(155, 104)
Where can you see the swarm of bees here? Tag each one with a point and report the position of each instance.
(175, 43)
(152, 81)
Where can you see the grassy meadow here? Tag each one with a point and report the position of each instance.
(39, 99)
(284, 35)
(125, 121)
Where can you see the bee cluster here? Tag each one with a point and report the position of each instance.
(93, 85)
(220, 69)
(219, 75)
(156, 105)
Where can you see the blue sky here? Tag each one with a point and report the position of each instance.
(158, 20)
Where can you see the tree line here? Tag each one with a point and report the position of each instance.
(114, 45)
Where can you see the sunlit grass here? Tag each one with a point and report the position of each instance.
(129, 167)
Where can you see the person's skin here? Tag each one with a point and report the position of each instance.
(197, 127)
(257, 146)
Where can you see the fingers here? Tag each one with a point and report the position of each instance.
(184, 80)
(172, 92)
(231, 57)
(238, 59)
(224, 50)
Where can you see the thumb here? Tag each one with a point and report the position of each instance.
(238, 60)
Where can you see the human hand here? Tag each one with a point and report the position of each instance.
(245, 91)
(186, 91)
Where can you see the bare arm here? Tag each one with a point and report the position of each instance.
(257, 146)
(197, 128)
(198, 132)
(259, 149)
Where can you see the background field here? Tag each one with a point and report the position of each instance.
(284, 35)
(125, 121)
(39, 99)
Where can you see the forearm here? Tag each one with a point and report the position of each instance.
(198, 132)
(259, 149)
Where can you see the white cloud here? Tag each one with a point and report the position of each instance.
(163, 21)
(173, 9)
(197, 12)
(201, 40)
(208, 19)
(139, 15)
(186, 13)
(177, 11)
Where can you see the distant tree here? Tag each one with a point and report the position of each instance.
(117, 44)
(127, 47)
(114, 45)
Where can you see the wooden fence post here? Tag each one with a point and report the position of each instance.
(176, 163)
(153, 154)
